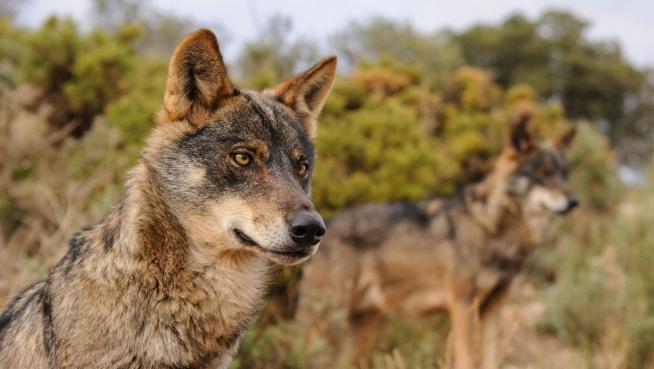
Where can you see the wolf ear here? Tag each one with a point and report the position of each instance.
(564, 142)
(307, 92)
(197, 79)
(521, 140)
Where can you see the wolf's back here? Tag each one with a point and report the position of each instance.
(328, 287)
(21, 331)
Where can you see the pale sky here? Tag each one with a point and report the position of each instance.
(631, 22)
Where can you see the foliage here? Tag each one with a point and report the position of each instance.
(12, 51)
(636, 125)
(51, 185)
(284, 345)
(552, 53)
(603, 300)
(379, 153)
(77, 74)
(591, 159)
(133, 113)
(378, 39)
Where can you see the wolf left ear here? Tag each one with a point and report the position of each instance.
(521, 140)
(564, 142)
(197, 79)
(307, 92)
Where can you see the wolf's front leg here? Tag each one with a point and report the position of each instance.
(490, 339)
(462, 314)
(491, 333)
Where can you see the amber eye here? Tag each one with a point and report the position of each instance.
(302, 168)
(241, 158)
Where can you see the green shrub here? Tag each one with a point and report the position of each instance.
(595, 173)
(12, 52)
(133, 113)
(603, 299)
(78, 74)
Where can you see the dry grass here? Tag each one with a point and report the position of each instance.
(50, 187)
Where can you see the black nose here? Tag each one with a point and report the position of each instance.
(307, 228)
(573, 202)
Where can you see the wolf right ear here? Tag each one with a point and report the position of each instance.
(307, 92)
(197, 79)
(564, 142)
(521, 140)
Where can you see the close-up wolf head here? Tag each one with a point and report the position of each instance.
(235, 164)
(539, 180)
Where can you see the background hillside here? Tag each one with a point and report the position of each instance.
(412, 115)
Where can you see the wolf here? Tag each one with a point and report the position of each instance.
(458, 255)
(173, 275)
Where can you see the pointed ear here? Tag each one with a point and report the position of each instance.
(564, 142)
(520, 138)
(197, 79)
(307, 92)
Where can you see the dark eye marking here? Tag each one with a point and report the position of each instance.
(531, 166)
(543, 166)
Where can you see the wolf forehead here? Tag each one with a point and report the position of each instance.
(543, 161)
(255, 120)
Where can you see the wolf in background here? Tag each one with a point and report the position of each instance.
(458, 254)
(175, 272)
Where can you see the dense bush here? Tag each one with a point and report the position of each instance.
(603, 299)
(12, 51)
(77, 74)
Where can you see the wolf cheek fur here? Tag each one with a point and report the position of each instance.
(175, 272)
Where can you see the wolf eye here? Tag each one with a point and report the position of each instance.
(302, 168)
(565, 173)
(547, 171)
(241, 158)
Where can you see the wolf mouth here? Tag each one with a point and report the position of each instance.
(557, 212)
(290, 254)
(246, 240)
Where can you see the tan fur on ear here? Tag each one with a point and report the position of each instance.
(307, 92)
(565, 140)
(197, 79)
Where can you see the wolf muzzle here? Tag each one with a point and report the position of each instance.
(573, 202)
